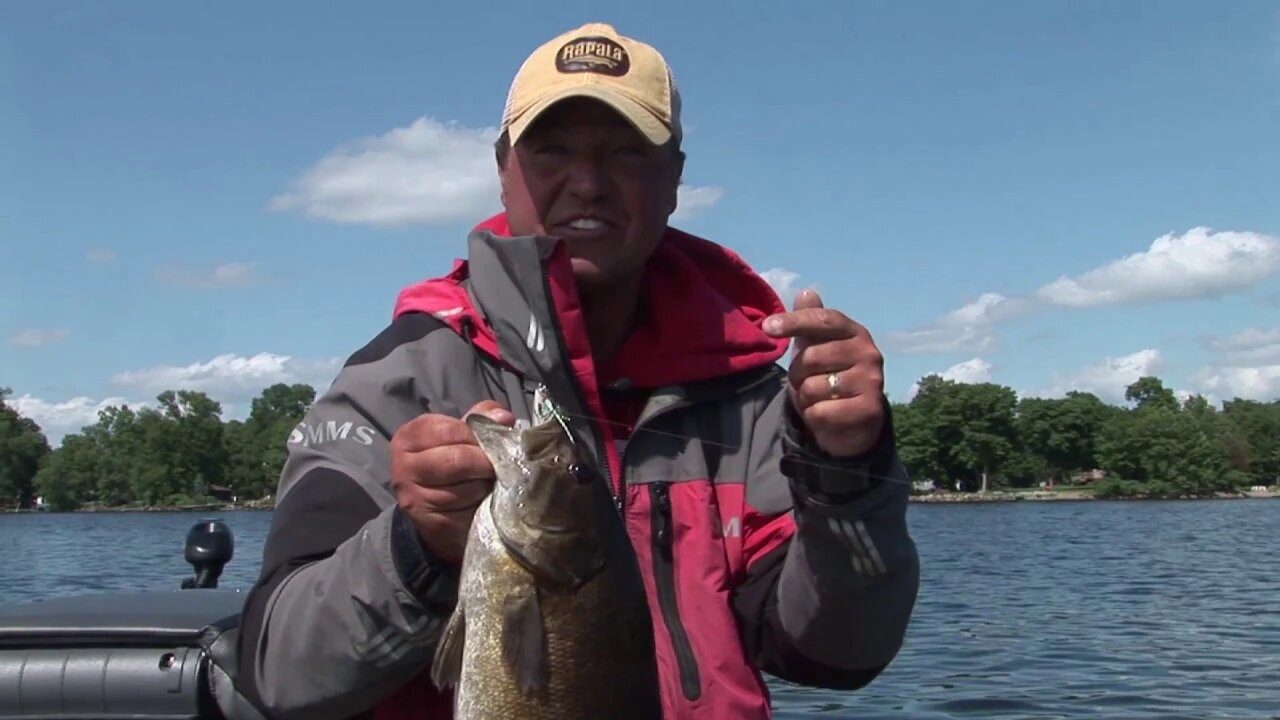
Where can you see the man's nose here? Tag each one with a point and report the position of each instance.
(588, 176)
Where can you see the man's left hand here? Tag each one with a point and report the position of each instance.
(836, 379)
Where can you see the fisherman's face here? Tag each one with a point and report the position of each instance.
(584, 174)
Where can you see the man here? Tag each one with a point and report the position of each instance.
(767, 505)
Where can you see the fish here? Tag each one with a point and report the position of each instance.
(552, 619)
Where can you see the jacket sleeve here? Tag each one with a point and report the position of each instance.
(348, 603)
(832, 571)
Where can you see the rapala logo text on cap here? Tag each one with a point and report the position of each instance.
(594, 55)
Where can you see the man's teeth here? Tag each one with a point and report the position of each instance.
(586, 224)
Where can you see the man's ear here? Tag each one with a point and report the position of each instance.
(678, 179)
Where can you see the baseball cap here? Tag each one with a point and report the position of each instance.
(595, 61)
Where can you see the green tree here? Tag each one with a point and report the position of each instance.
(1148, 391)
(23, 447)
(931, 430)
(258, 445)
(1163, 447)
(959, 431)
(988, 439)
(69, 477)
(916, 446)
(1062, 432)
(1252, 439)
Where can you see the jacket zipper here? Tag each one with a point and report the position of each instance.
(664, 576)
(615, 489)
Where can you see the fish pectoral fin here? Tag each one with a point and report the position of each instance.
(446, 666)
(524, 640)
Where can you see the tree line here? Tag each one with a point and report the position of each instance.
(179, 452)
(983, 436)
(963, 436)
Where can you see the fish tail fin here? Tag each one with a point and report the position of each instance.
(524, 641)
(446, 666)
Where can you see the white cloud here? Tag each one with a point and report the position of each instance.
(1247, 339)
(969, 328)
(1252, 347)
(692, 200)
(1108, 378)
(62, 418)
(229, 377)
(1251, 383)
(35, 338)
(969, 372)
(427, 173)
(226, 275)
(1199, 264)
(1247, 366)
(783, 282)
(232, 380)
(100, 256)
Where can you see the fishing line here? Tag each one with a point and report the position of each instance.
(733, 448)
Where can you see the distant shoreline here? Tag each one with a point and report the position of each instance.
(997, 496)
(944, 497)
(202, 507)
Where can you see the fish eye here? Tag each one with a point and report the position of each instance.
(579, 473)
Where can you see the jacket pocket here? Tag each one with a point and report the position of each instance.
(663, 534)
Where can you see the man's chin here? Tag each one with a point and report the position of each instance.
(589, 275)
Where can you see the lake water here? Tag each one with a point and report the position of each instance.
(1027, 610)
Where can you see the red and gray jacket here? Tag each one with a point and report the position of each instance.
(760, 555)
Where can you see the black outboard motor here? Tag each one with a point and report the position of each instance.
(210, 546)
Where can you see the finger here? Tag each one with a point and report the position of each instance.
(862, 380)
(810, 325)
(821, 359)
(817, 388)
(804, 300)
(447, 531)
(807, 298)
(431, 430)
(849, 415)
(448, 465)
(494, 410)
(453, 500)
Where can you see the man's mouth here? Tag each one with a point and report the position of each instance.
(587, 224)
(584, 227)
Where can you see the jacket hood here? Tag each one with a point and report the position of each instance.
(703, 312)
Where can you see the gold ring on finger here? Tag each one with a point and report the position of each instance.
(833, 381)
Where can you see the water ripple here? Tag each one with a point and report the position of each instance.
(1131, 611)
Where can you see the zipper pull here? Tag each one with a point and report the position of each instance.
(662, 502)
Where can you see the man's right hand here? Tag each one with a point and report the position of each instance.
(440, 475)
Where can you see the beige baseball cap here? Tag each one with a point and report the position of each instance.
(595, 61)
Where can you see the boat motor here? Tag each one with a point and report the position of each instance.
(210, 546)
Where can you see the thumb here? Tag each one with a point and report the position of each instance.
(494, 411)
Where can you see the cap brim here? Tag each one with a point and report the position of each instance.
(644, 121)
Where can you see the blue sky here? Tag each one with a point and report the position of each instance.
(1050, 195)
